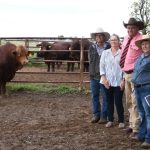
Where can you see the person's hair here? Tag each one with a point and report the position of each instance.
(115, 36)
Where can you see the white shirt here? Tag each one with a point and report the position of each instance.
(109, 66)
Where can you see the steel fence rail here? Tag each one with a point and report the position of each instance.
(28, 40)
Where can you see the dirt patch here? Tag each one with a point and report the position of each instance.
(42, 121)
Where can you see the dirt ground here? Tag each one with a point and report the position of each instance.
(42, 121)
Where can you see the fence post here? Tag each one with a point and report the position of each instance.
(27, 44)
(81, 64)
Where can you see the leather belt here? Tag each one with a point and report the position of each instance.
(129, 72)
(141, 85)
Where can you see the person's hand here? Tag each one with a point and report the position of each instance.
(122, 85)
(105, 82)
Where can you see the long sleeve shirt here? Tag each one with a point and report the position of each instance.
(133, 52)
(141, 73)
(109, 66)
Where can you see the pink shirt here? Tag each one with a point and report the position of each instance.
(133, 52)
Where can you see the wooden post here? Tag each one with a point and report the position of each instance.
(27, 44)
(81, 64)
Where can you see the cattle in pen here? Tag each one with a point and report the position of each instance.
(75, 55)
(50, 51)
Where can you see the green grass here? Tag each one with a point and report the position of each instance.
(32, 62)
(34, 87)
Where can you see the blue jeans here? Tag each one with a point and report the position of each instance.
(96, 89)
(144, 112)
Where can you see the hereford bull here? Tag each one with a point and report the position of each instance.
(12, 58)
(54, 55)
(75, 55)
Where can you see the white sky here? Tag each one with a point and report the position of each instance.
(51, 18)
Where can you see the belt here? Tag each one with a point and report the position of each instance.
(141, 85)
(129, 72)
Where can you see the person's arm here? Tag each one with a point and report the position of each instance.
(122, 84)
(89, 53)
(102, 64)
(103, 70)
(147, 67)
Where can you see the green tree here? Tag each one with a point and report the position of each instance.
(140, 9)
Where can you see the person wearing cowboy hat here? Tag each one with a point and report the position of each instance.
(129, 54)
(95, 50)
(141, 80)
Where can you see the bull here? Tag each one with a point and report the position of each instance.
(13, 58)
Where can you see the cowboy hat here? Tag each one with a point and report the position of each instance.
(144, 38)
(100, 31)
(133, 21)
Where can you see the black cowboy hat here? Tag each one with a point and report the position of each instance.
(133, 21)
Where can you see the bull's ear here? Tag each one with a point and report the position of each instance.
(70, 49)
(38, 45)
(30, 53)
(50, 46)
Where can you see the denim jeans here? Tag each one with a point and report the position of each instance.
(144, 111)
(96, 91)
(114, 96)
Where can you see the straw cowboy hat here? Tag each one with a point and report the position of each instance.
(144, 38)
(100, 31)
(133, 21)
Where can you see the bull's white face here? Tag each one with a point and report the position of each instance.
(21, 56)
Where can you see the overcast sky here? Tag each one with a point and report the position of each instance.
(51, 18)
